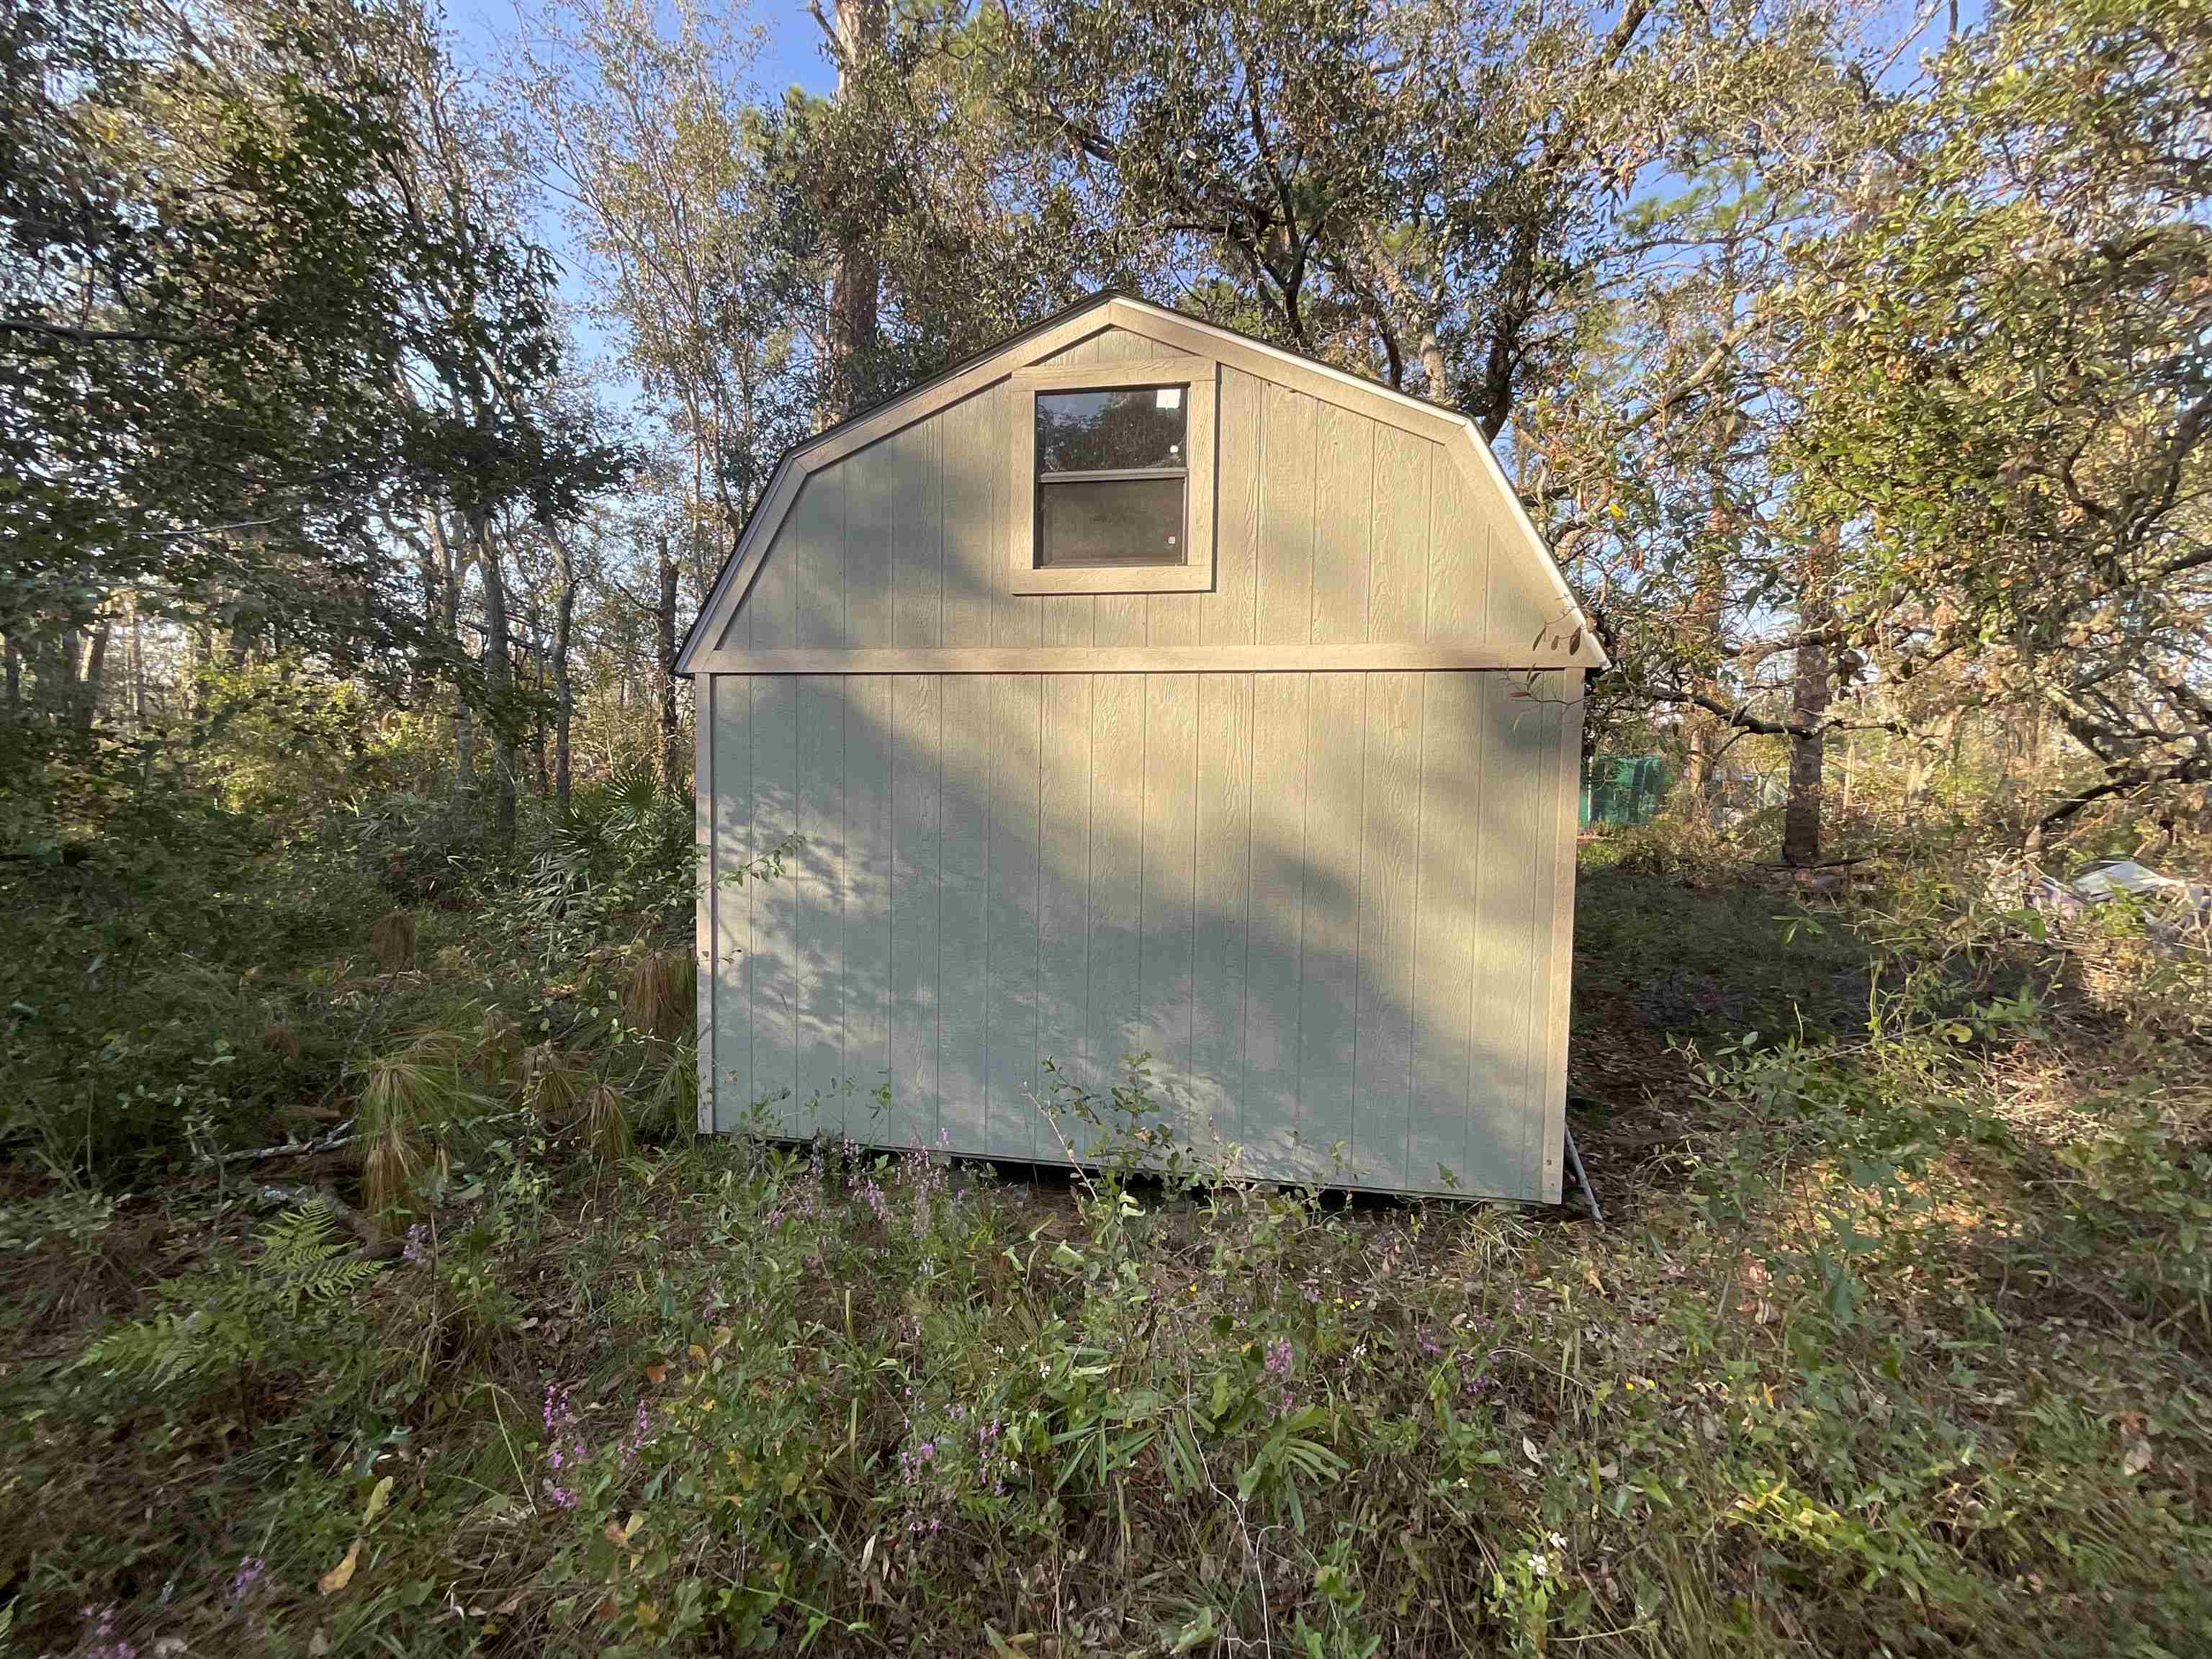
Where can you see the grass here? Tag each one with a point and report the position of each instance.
(1896, 1345)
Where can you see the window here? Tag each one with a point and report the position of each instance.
(1113, 470)
(1117, 463)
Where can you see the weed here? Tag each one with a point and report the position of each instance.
(659, 999)
(392, 940)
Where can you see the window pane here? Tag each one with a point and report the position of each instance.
(1124, 426)
(1110, 521)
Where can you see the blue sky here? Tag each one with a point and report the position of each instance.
(482, 34)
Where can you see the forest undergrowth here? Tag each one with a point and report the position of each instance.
(1893, 1340)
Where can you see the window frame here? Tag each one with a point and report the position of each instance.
(1194, 572)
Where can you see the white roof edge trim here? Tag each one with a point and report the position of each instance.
(760, 530)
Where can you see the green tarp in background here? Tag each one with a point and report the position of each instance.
(1618, 790)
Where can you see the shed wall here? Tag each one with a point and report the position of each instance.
(1333, 907)
(1331, 528)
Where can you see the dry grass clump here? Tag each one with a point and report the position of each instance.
(672, 1105)
(550, 1083)
(499, 1051)
(660, 998)
(605, 1122)
(404, 1095)
(392, 940)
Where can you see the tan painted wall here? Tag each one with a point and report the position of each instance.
(1331, 528)
(1334, 907)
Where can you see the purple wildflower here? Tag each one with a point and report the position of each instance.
(104, 1643)
(250, 1569)
(560, 1427)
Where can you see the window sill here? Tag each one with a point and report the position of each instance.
(1112, 578)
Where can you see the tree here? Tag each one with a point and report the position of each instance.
(493, 440)
(202, 311)
(2007, 387)
(1433, 194)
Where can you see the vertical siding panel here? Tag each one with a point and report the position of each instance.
(770, 612)
(1504, 963)
(1390, 800)
(1458, 600)
(1016, 618)
(1533, 787)
(776, 801)
(1567, 758)
(916, 866)
(1444, 929)
(1230, 615)
(1118, 345)
(733, 901)
(702, 894)
(963, 960)
(1173, 619)
(1168, 885)
(1117, 804)
(970, 460)
(1064, 888)
(1285, 589)
(1344, 517)
(1524, 603)
(1329, 982)
(1399, 561)
(818, 561)
(868, 733)
(1119, 618)
(1267, 1113)
(1221, 922)
(915, 458)
(873, 515)
(816, 877)
(1010, 1038)
(1537, 776)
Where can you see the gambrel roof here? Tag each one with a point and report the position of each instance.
(1471, 573)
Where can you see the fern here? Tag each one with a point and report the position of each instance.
(224, 1322)
(309, 1261)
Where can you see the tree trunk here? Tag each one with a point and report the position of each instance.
(203, 659)
(664, 623)
(455, 568)
(137, 667)
(95, 672)
(1808, 708)
(499, 675)
(1708, 733)
(433, 608)
(863, 30)
(538, 697)
(57, 688)
(564, 704)
(15, 680)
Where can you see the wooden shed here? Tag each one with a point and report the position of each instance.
(1138, 688)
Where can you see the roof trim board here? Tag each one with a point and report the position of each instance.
(1458, 436)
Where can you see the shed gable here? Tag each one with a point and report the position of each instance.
(1348, 520)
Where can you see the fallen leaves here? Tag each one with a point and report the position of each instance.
(341, 1575)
